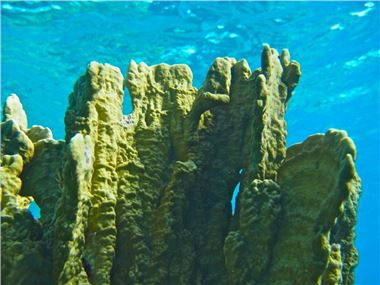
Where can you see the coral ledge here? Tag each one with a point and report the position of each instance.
(145, 198)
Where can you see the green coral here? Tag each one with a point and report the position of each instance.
(145, 198)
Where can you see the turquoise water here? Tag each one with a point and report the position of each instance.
(47, 45)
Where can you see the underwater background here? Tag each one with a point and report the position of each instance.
(46, 46)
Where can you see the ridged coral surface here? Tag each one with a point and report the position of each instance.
(145, 198)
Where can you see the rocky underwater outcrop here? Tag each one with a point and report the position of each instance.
(145, 198)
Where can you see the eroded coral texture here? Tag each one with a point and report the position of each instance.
(144, 198)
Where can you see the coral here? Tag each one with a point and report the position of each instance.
(36, 133)
(145, 198)
(24, 254)
(13, 110)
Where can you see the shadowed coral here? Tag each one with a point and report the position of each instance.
(145, 198)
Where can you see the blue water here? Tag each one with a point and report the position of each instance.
(47, 45)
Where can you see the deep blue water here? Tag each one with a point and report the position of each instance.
(47, 45)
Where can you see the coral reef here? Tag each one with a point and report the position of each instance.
(145, 198)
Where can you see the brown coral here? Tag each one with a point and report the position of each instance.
(145, 198)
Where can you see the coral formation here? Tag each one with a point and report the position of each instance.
(145, 198)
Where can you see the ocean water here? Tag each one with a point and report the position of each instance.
(46, 46)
